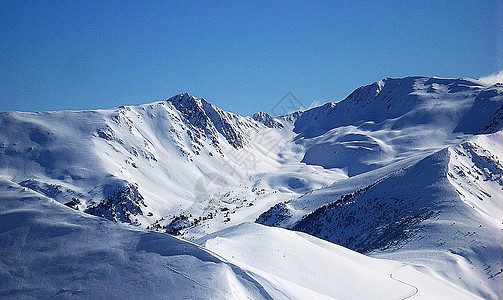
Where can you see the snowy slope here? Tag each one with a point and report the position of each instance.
(131, 164)
(401, 102)
(293, 265)
(448, 205)
(50, 251)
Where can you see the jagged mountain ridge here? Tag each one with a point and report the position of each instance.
(204, 116)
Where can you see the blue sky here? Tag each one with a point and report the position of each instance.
(242, 57)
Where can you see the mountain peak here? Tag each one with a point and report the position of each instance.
(184, 99)
(205, 116)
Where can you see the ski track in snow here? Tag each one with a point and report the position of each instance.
(416, 290)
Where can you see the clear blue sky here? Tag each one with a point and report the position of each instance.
(243, 57)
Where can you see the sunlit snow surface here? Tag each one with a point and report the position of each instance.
(406, 171)
(293, 265)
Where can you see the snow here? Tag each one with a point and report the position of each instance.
(292, 265)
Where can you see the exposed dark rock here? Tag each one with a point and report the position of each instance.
(121, 206)
(267, 120)
(74, 203)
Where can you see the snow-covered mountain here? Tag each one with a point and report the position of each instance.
(406, 171)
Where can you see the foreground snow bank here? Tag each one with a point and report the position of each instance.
(51, 251)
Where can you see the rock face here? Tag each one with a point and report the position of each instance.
(275, 215)
(206, 120)
(122, 206)
(267, 120)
